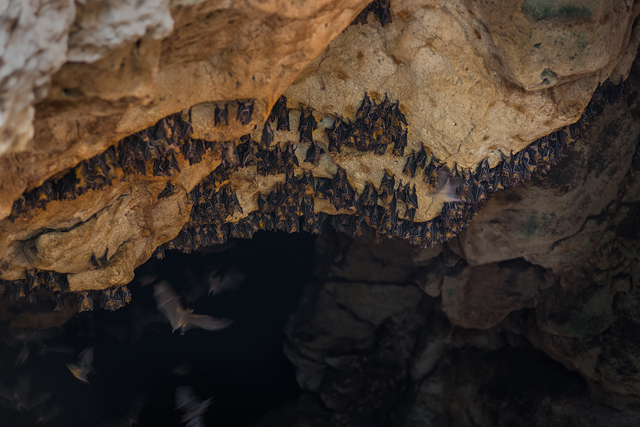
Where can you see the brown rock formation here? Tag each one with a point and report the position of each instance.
(471, 351)
(467, 109)
(216, 52)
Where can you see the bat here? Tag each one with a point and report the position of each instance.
(18, 397)
(219, 283)
(192, 406)
(169, 304)
(131, 417)
(84, 367)
(267, 135)
(447, 188)
(43, 415)
(45, 349)
(101, 262)
(22, 355)
(245, 110)
(221, 116)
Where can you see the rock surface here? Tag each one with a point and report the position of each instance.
(472, 76)
(123, 75)
(492, 306)
(218, 51)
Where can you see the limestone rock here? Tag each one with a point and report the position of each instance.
(482, 296)
(554, 208)
(217, 51)
(454, 74)
(33, 46)
(102, 26)
(592, 37)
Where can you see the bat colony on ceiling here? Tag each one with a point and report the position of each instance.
(385, 210)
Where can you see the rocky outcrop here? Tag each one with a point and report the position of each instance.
(127, 70)
(123, 77)
(546, 291)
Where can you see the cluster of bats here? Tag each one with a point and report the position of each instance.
(49, 285)
(18, 397)
(376, 127)
(113, 298)
(380, 8)
(37, 285)
(385, 210)
(151, 150)
(39, 408)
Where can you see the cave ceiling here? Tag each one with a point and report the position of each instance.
(193, 122)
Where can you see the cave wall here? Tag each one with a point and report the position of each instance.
(456, 69)
(530, 326)
(546, 271)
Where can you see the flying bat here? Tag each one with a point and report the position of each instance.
(18, 397)
(46, 349)
(44, 414)
(447, 187)
(192, 406)
(219, 283)
(22, 355)
(83, 368)
(169, 304)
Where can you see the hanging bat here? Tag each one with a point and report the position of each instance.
(267, 135)
(84, 366)
(192, 406)
(245, 110)
(169, 304)
(102, 261)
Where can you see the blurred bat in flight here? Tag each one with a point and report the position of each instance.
(447, 186)
(223, 282)
(18, 397)
(83, 368)
(192, 406)
(169, 304)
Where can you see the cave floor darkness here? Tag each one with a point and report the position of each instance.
(242, 367)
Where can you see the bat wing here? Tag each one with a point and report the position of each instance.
(85, 359)
(38, 399)
(62, 349)
(228, 281)
(214, 283)
(186, 400)
(231, 280)
(6, 393)
(22, 355)
(46, 415)
(195, 422)
(23, 386)
(169, 304)
(205, 322)
(78, 372)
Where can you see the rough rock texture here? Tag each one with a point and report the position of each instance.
(474, 76)
(33, 46)
(413, 367)
(441, 61)
(218, 51)
(477, 347)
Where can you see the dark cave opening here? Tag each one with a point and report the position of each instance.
(138, 360)
(370, 379)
